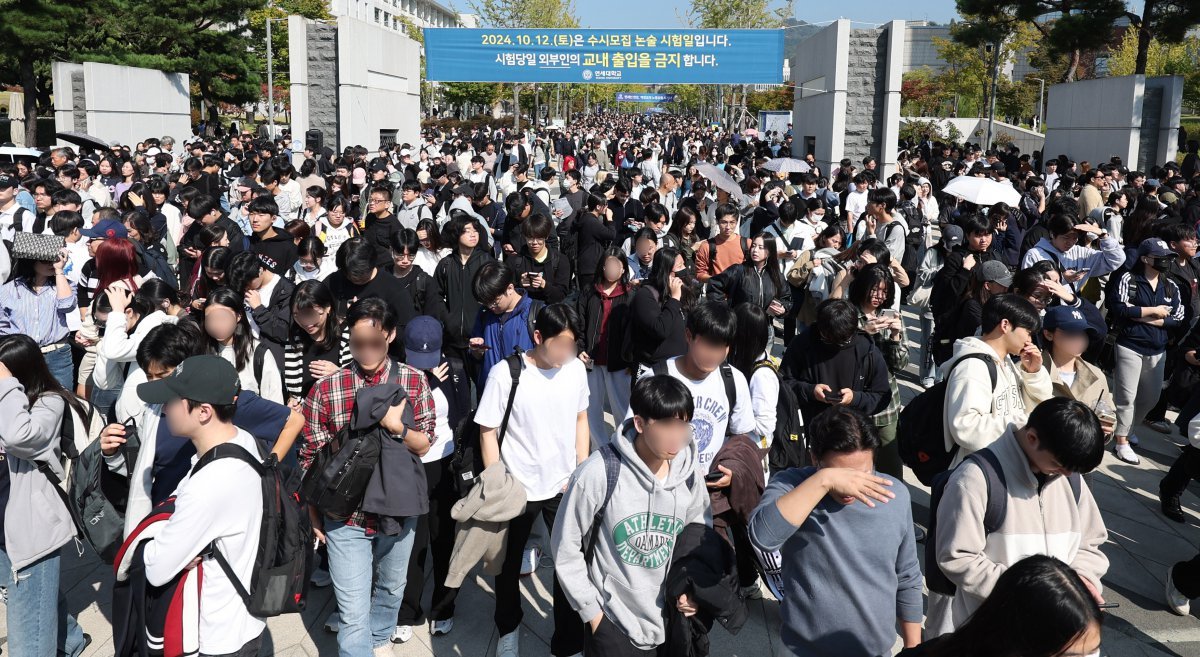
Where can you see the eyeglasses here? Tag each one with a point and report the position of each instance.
(496, 303)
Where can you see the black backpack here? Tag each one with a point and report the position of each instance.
(993, 515)
(467, 462)
(788, 445)
(99, 496)
(920, 433)
(284, 559)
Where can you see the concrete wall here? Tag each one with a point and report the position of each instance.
(974, 130)
(1094, 120)
(848, 92)
(120, 103)
(354, 81)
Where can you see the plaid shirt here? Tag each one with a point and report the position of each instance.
(895, 354)
(330, 403)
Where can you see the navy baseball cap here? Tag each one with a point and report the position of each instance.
(1155, 248)
(1067, 319)
(423, 343)
(106, 229)
(204, 379)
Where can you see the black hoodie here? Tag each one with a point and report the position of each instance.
(277, 252)
(858, 366)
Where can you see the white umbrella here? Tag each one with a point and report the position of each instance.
(982, 191)
(786, 165)
(719, 178)
(14, 153)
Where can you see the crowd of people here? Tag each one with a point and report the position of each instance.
(691, 378)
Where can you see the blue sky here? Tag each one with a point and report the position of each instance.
(667, 13)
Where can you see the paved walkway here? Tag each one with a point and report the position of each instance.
(1142, 544)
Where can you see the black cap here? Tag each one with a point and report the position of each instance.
(204, 379)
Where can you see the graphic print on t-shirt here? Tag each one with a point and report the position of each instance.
(710, 417)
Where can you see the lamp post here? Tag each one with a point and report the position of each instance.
(1041, 95)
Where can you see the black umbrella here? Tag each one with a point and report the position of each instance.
(83, 139)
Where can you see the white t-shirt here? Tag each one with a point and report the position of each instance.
(539, 445)
(222, 503)
(443, 446)
(710, 419)
(856, 203)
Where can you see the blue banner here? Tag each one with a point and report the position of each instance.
(626, 97)
(605, 56)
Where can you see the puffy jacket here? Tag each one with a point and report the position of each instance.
(747, 284)
(454, 279)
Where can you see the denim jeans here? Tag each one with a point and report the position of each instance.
(38, 622)
(61, 366)
(103, 400)
(367, 605)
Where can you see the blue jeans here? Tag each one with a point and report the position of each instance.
(103, 400)
(38, 622)
(367, 605)
(61, 366)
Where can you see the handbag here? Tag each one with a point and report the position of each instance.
(36, 246)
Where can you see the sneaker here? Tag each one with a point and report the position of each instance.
(402, 634)
(509, 645)
(752, 592)
(1161, 426)
(927, 382)
(1170, 506)
(530, 560)
(440, 627)
(1125, 453)
(1176, 601)
(333, 623)
(321, 578)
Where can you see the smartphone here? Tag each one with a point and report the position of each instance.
(888, 313)
(834, 397)
(1083, 270)
(1109, 605)
(714, 476)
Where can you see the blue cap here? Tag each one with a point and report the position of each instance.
(1067, 319)
(1155, 248)
(106, 229)
(423, 343)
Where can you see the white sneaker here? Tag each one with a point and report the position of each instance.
(529, 560)
(509, 645)
(1125, 453)
(1176, 601)
(402, 634)
(752, 592)
(321, 578)
(333, 623)
(927, 382)
(438, 628)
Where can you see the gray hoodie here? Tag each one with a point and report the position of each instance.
(633, 552)
(36, 523)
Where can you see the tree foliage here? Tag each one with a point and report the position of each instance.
(1182, 59)
(256, 23)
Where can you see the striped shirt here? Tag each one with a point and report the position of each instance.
(298, 353)
(41, 315)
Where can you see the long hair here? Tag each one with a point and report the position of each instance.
(751, 339)
(116, 260)
(243, 341)
(661, 268)
(23, 358)
(1038, 606)
(613, 252)
(772, 263)
(307, 296)
(684, 216)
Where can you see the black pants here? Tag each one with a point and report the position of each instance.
(1182, 472)
(568, 629)
(736, 534)
(464, 369)
(435, 532)
(1186, 576)
(609, 641)
(248, 650)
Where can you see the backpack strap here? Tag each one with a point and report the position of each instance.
(730, 394)
(612, 472)
(535, 307)
(515, 365)
(1076, 482)
(235, 451)
(997, 489)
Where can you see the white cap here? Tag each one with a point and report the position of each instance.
(153, 150)
(404, 152)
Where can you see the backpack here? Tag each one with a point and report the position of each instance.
(71, 445)
(612, 472)
(787, 446)
(660, 369)
(98, 495)
(921, 295)
(284, 559)
(466, 464)
(920, 433)
(993, 515)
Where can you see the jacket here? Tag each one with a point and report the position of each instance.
(636, 539)
(977, 414)
(453, 279)
(746, 284)
(36, 522)
(1079, 257)
(397, 488)
(503, 334)
(1132, 292)
(953, 279)
(598, 310)
(593, 235)
(1042, 518)
(555, 269)
(744, 459)
(705, 568)
(116, 354)
(859, 366)
(655, 327)
(274, 318)
(1090, 384)
(379, 233)
(482, 518)
(278, 252)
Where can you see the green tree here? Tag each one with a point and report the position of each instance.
(921, 93)
(37, 31)
(279, 10)
(1182, 59)
(1167, 21)
(472, 93)
(970, 59)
